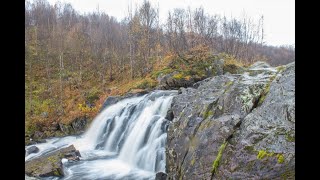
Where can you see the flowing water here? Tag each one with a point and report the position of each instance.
(125, 141)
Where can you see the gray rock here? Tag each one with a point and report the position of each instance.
(260, 68)
(73, 155)
(197, 84)
(110, 101)
(209, 118)
(77, 153)
(260, 64)
(170, 82)
(66, 129)
(32, 149)
(264, 145)
(50, 164)
(40, 141)
(76, 127)
(169, 115)
(161, 176)
(79, 124)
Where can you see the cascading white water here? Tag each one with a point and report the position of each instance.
(125, 141)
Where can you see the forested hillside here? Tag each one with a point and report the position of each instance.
(73, 61)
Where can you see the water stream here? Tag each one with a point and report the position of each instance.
(125, 141)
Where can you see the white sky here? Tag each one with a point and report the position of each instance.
(279, 15)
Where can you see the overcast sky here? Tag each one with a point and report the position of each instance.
(279, 15)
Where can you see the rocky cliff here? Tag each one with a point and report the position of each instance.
(235, 126)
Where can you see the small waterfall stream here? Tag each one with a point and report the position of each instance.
(125, 141)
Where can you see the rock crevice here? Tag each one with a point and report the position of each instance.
(243, 113)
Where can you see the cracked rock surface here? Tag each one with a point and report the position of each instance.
(250, 115)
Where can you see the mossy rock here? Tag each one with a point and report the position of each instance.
(233, 69)
(48, 165)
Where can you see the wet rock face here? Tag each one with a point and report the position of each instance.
(169, 115)
(32, 149)
(77, 126)
(50, 164)
(161, 176)
(110, 101)
(229, 122)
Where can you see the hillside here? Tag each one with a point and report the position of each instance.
(74, 61)
(181, 71)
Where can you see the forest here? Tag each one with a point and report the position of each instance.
(73, 60)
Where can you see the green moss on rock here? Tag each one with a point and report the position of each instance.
(218, 158)
(280, 68)
(249, 148)
(231, 68)
(178, 76)
(290, 138)
(56, 173)
(262, 154)
(288, 174)
(193, 161)
(207, 114)
(162, 72)
(280, 158)
(265, 154)
(266, 91)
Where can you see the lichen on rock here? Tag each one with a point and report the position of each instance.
(252, 112)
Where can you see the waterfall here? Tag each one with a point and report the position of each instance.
(125, 141)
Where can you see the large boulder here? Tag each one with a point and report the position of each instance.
(50, 164)
(211, 121)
